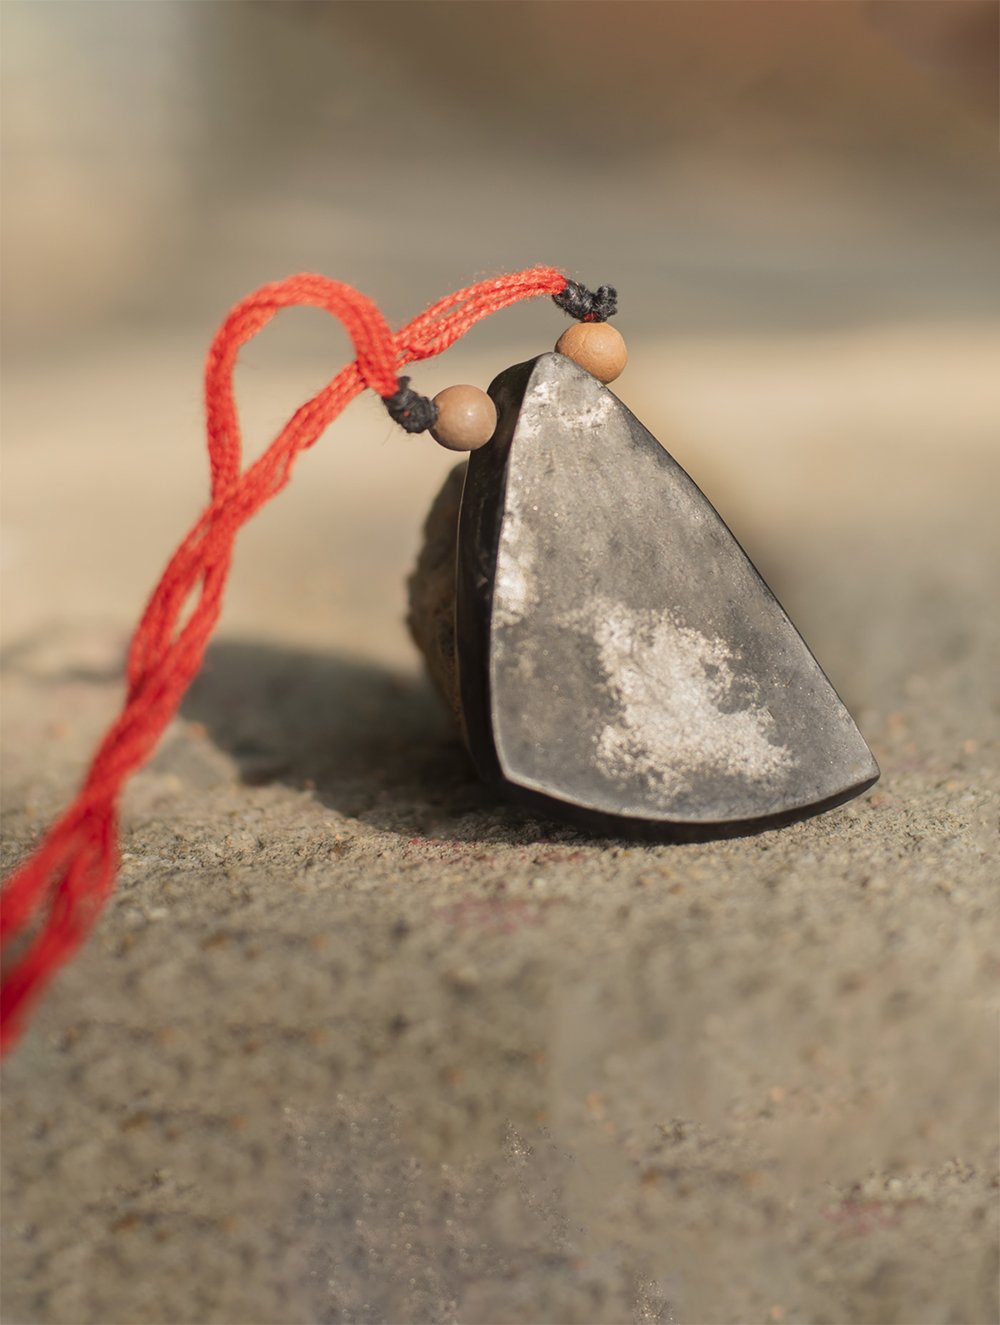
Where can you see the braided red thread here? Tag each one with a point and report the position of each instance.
(73, 869)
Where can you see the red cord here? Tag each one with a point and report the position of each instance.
(72, 872)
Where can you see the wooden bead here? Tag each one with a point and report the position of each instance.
(596, 346)
(466, 418)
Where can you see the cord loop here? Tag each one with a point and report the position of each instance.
(587, 305)
(413, 412)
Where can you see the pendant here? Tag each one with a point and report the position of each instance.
(620, 663)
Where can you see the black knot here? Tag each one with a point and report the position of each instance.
(413, 412)
(587, 305)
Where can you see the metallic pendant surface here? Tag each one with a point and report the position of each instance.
(621, 663)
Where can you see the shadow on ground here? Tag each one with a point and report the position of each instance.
(372, 744)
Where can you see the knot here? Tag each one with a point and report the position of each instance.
(587, 305)
(413, 412)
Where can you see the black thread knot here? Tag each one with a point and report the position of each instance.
(413, 412)
(587, 305)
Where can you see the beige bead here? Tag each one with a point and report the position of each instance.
(466, 419)
(595, 346)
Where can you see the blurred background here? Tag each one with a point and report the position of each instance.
(798, 202)
(737, 164)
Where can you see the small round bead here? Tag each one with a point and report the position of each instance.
(467, 418)
(596, 346)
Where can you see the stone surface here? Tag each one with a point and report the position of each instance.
(356, 1042)
(353, 1041)
(618, 653)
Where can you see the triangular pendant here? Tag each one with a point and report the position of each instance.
(621, 662)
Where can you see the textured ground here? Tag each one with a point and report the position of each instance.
(354, 1043)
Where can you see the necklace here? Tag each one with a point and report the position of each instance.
(611, 654)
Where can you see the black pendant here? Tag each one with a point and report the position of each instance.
(621, 662)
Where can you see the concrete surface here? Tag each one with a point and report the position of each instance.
(354, 1043)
